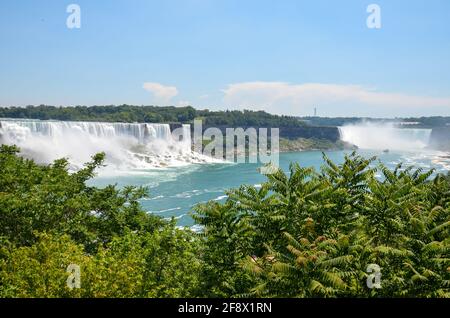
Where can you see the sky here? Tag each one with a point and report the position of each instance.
(284, 57)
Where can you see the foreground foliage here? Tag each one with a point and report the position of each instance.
(313, 234)
(305, 233)
(50, 219)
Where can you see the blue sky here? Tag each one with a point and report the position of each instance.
(285, 56)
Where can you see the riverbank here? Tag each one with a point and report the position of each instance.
(298, 145)
(310, 144)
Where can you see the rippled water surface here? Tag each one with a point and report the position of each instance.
(174, 191)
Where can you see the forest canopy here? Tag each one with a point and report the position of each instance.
(151, 114)
(172, 114)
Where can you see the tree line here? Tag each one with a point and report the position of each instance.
(172, 114)
(151, 114)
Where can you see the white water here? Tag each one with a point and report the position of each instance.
(385, 136)
(127, 145)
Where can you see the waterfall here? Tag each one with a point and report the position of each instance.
(56, 129)
(385, 136)
(127, 145)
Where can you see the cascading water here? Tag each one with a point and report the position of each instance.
(127, 145)
(385, 136)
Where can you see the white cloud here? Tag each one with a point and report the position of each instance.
(161, 92)
(286, 98)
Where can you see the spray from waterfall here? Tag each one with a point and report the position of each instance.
(385, 136)
(127, 145)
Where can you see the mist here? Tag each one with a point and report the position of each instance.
(127, 146)
(385, 136)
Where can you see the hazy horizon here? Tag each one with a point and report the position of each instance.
(225, 109)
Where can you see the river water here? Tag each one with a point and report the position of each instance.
(175, 191)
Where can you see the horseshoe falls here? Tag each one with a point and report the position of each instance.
(385, 136)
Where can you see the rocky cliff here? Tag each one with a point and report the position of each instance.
(326, 133)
